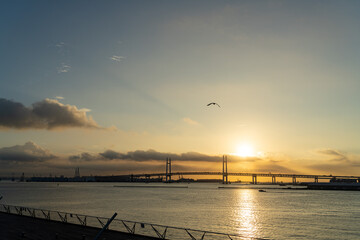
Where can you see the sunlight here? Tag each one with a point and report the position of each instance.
(245, 214)
(245, 150)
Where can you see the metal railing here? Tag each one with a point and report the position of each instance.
(131, 227)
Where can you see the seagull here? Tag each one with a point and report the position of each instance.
(213, 103)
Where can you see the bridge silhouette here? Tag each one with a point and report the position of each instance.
(225, 174)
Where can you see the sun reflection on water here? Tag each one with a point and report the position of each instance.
(245, 213)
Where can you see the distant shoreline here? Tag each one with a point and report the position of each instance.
(151, 186)
(258, 188)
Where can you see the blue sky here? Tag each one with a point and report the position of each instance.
(284, 72)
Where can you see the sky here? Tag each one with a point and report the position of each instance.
(115, 87)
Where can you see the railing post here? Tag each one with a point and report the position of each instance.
(83, 221)
(106, 225)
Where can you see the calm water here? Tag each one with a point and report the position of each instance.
(274, 214)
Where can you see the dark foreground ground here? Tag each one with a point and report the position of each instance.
(14, 227)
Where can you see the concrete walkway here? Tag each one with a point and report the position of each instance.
(14, 227)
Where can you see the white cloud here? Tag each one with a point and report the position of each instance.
(85, 110)
(60, 45)
(59, 97)
(117, 58)
(64, 68)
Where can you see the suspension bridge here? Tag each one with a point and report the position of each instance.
(225, 175)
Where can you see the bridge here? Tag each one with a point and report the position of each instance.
(225, 174)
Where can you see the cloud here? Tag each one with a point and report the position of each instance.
(152, 160)
(143, 156)
(85, 110)
(336, 154)
(110, 154)
(274, 168)
(109, 167)
(84, 157)
(200, 157)
(64, 68)
(343, 168)
(339, 162)
(59, 97)
(152, 155)
(140, 155)
(46, 114)
(60, 45)
(117, 58)
(190, 121)
(29, 152)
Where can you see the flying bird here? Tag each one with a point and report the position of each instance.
(213, 103)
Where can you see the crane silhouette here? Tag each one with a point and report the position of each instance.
(213, 103)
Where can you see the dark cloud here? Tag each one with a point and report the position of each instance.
(110, 154)
(46, 114)
(194, 156)
(98, 168)
(152, 155)
(29, 152)
(140, 155)
(84, 157)
(143, 156)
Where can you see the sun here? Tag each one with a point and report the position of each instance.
(245, 150)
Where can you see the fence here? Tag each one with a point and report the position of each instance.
(132, 227)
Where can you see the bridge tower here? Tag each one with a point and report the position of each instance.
(273, 179)
(225, 170)
(254, 179)
(77, 172)
(168, 170)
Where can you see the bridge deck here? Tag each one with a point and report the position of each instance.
(277, 175)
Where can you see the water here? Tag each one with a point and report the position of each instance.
(274, 214)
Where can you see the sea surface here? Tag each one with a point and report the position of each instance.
(241, 209)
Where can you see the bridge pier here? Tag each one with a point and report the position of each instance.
(273, 180)
(225, 171)
(168, 170)
(294, 180)
(254, 179)
(316, 179)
